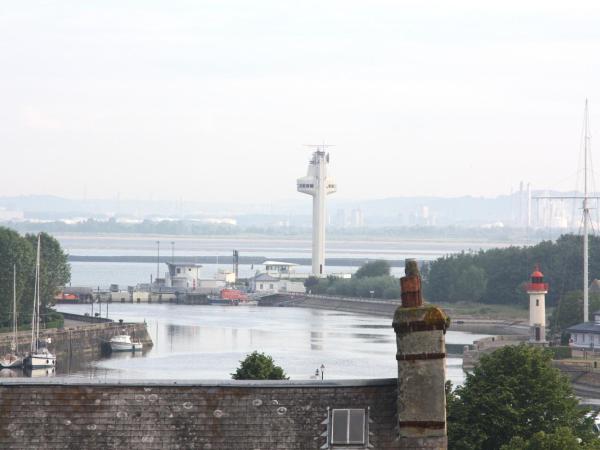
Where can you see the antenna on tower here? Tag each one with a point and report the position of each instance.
(586, 211)
(319, 147)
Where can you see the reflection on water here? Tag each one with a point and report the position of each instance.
(40, 372)
(207, 342)
(11, 373)
(28, 372)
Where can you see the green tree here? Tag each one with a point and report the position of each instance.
(513, 392)
(15, 251)
(55, 270)
(311, 282)
(258, 366)
(506, 269)
(561, 439)
(470, 285)
(375, 268)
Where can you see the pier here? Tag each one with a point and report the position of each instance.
(79, 336)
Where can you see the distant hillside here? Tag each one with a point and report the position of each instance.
(397, 211)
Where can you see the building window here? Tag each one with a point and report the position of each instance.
(178, 270)
(537, 302)
(271, 286)
(347, 427)
(261, 286)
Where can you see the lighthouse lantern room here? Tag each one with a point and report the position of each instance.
(537, 291)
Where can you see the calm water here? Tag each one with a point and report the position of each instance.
(128, 274)
(207, 342)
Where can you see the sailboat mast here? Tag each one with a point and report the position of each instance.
(15, 345)
(37, 281)
(586, 283)
(33, 313)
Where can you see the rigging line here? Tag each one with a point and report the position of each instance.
(566, 178)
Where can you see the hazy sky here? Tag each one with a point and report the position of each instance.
(209, 100)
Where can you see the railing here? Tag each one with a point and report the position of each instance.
(537, 286)
(85, 318)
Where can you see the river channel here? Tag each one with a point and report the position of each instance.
(207, 342)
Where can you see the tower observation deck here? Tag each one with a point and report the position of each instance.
(319, 185)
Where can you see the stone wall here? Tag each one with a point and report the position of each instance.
(87, 338)
(225, 415)
(483, 346)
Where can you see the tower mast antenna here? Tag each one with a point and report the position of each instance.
(586, 211)
(586, 214)
(318, 184)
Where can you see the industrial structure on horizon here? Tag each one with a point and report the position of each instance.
(319, 185)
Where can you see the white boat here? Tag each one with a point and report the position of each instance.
(39, 356)
(14, 358)
(123, 343)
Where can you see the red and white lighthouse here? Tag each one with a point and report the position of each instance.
(537, 291)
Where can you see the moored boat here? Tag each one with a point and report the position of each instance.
(123, 343)
(11, 360)
(39, 356)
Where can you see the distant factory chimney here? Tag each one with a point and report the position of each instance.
(421, 355)
(319, 185)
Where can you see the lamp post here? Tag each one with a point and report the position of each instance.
(157, 260)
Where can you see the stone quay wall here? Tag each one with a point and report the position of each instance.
(87, 338)
(222, 415)
(386, 308)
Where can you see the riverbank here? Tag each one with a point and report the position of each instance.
(386, 308)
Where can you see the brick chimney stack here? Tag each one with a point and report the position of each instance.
(421, 355)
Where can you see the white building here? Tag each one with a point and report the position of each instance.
(183, 276)
(264, 283)
(280, 269)
(585, 336)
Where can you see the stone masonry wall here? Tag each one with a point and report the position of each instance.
(227, 415)
(87, 338)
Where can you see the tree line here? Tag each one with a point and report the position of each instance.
(372, 279)
(498, 276)
(20, 252)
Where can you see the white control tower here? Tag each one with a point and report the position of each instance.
(318, 184)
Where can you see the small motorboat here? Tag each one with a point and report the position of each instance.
(123, 343)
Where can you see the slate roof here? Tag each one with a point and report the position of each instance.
(587, 327)
(265, 277)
